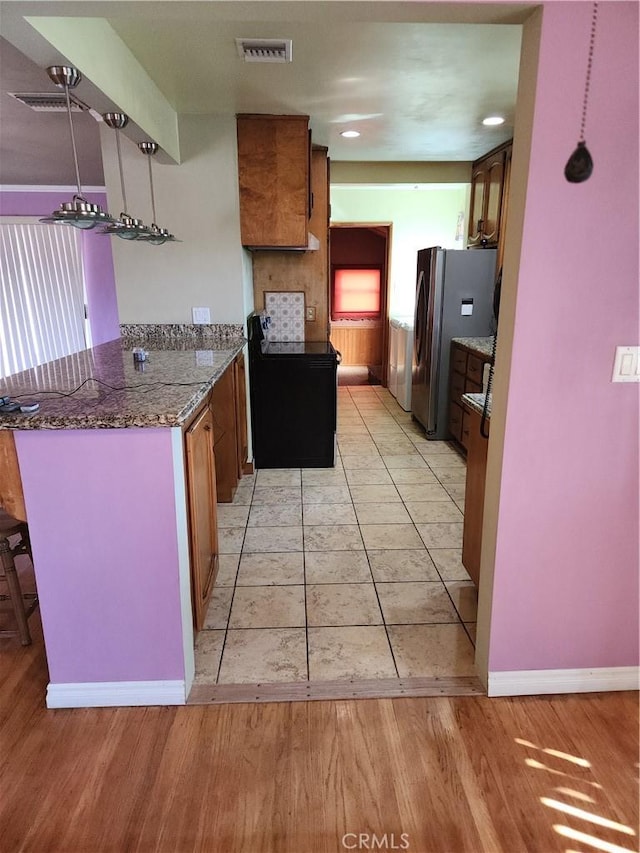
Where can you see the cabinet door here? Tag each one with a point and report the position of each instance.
(474, 496)
(201, 490)
(493, 200)
(477, 204)
(274, 177)
(223, 407)
(241, 413)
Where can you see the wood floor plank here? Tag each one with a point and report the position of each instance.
(458, 774)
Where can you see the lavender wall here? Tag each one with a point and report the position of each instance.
(102, 518)
(566, 569)
(97, 257)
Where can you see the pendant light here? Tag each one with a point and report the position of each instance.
(158, 236)
(126, 227)
(79, 212)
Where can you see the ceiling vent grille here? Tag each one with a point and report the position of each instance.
(49, 102)
(264, 50)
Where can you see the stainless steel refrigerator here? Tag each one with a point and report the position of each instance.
(454, 299)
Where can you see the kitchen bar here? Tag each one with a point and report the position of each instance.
(104, 475)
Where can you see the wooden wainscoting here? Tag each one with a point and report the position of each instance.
(359, 345)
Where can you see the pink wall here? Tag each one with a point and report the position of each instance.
(97, 257)
(566, 570)
(103, 525)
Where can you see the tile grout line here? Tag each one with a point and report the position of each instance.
(384, 620)
(235, 584)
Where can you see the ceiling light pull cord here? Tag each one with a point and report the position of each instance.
(580, 165)
(592, 41)
(73, 142)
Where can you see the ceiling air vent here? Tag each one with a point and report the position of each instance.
(264, 50)
(49, 102)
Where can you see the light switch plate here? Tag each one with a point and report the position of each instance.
(310, 313)
(201, 315)
(626, 367)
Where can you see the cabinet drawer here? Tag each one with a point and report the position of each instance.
(456, 416)
(466, 426)
(474, 369)
(457, 386)
(471, 387)
(458, 359)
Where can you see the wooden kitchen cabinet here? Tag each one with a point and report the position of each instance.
(203, 529)
(242, 439)
(467, 369)
(488, 191)
(226, 401)
(474, 496)
(274, 170)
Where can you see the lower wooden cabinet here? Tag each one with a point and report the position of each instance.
(225, 434)
(474, 496)
(466, 378)
(242, 440)
(203, 528)
(216, 454)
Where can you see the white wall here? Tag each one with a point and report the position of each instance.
(427, 216)
(198, 202)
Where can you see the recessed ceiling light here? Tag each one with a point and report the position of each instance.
(491, 121)
(350, 134)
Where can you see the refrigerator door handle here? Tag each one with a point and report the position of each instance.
(433, 337)
(419, 334)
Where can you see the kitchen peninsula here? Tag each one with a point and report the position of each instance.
(107, 479)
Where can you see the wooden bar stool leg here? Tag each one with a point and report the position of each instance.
(15, 593)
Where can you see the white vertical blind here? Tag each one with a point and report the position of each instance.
(41, 294)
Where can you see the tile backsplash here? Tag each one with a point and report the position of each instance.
(287, 315)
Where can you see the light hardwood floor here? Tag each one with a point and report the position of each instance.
(452, 774)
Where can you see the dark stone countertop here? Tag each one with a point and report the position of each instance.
(117, 392)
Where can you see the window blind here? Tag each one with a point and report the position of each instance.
(42, 295)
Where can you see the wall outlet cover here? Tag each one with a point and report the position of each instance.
(201, 315)
(626, 366)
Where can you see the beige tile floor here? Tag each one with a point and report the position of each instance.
(345, 573)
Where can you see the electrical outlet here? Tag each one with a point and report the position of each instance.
(310, 313)
(201, 315)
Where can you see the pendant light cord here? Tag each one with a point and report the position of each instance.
(124, 195)
(153, 200)
(73, 141)
(594, 20)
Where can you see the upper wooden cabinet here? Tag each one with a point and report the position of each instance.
(274, 154)
(488, 191)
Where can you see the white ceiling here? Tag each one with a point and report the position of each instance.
(414, 84)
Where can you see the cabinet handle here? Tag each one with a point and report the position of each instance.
(480, 225)
(207, 427)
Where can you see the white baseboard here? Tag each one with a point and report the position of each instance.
(540, 681)
(106, 694)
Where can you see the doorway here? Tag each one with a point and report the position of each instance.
(358, 300)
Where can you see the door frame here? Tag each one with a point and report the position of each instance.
(387, 227)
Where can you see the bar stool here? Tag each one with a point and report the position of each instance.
(23, 603)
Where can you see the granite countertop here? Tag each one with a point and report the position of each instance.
(481, 347)
(162, 391)
(476, 402)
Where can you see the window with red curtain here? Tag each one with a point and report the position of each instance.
(355, 293)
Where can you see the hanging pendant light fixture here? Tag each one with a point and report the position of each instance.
(158, 236)
(126, 227)
(79, 212)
